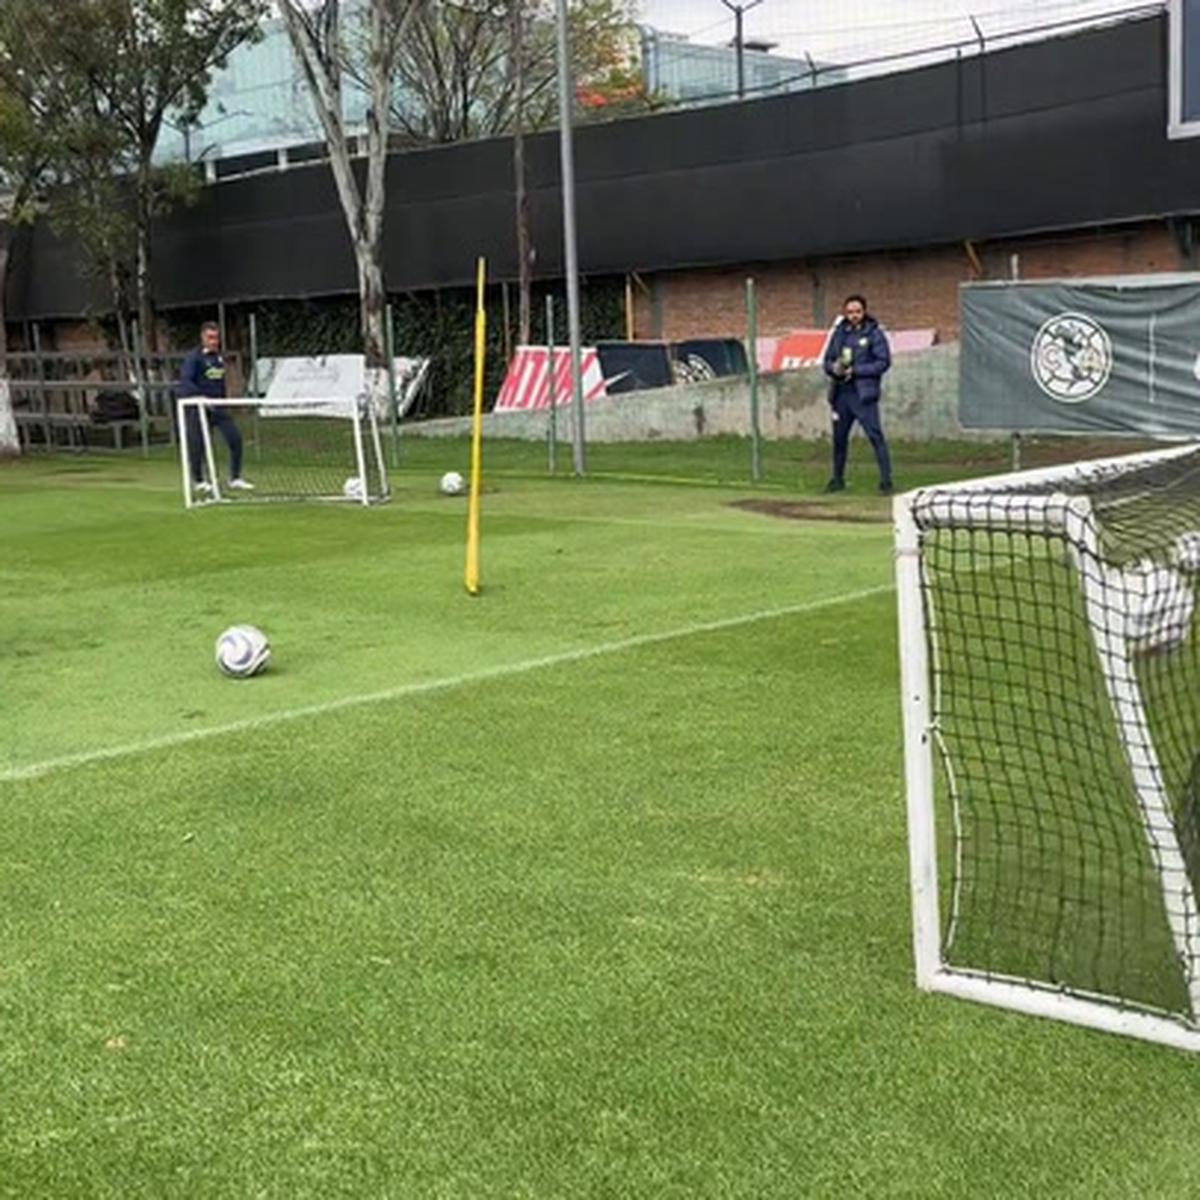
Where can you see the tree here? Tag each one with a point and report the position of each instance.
(458, 72)
(138, 61)
(621, 91)
(19, 169)
(32, 99)
(482, 68)
(93, 201)
(324, 48)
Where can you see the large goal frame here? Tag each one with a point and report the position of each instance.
(1001, 503)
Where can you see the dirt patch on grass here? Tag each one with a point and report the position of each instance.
(814, 510)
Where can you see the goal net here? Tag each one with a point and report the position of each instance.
(1051, 677)
(293, 449)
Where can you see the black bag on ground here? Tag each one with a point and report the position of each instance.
(114, 406)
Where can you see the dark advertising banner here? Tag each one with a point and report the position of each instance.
(635, 366)
(709, 358)
(1119, 355)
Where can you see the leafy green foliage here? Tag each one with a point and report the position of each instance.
(437, 324)
(147, 58)
(19, 158)
(33, 97)
(130, 63)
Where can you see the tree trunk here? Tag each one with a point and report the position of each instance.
(363, 208)
(374, 295)
(10, 442)
(131, 367)
(147, 321)
(118, 299)
(372, 300)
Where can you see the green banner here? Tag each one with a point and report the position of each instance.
(1119, 355)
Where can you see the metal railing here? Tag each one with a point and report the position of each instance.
(811, 72)
(95, 400)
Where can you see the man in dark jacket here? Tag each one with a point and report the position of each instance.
(856, 356)
(203, 374)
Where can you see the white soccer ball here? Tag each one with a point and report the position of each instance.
(352, 489)
(242, 651)
(1157, 604)
(452, 484)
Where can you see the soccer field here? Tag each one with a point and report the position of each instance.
(595, 885)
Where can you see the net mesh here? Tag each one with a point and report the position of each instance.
(304, 450)
(1066, 718)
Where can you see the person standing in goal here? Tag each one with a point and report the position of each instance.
(856, 357)
(203, 374)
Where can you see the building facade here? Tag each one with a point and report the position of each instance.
(1044, 159)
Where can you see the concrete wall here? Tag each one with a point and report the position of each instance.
(919, 402)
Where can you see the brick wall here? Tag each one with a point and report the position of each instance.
(907, 289)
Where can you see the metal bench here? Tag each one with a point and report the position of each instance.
(50, 423)
(76, 426)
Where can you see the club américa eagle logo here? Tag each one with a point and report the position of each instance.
(1071, 357)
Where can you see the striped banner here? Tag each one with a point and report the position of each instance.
(805, 347)
(527, 386)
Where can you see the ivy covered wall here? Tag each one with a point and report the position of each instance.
(436, 324)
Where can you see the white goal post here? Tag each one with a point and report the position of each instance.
(1050, 675)
(290, 449)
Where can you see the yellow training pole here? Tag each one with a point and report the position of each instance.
(472, 573)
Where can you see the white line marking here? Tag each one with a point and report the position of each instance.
(87, 757)
(773, 528)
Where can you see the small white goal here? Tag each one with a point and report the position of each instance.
(289, 450)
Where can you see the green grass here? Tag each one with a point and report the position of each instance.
(1055, 877)
(629, 923)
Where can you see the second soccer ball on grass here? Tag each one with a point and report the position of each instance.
(242, 651)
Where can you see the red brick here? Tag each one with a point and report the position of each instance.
(906, 289)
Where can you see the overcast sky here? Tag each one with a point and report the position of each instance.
(836, 28)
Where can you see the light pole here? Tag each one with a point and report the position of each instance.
(570, 242)
(739, 40)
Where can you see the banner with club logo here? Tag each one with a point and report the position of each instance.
(1114, 355)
